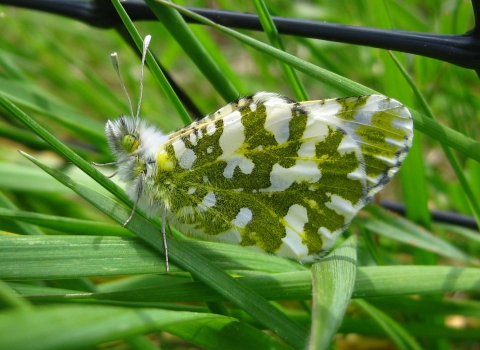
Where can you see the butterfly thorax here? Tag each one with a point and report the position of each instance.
(135, 145)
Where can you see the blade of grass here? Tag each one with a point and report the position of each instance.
(191, 261)
(402, 230)
(180, 31)
(11, 300)
(65, 225)
(62, 149)
(333, 280)
(152, 64)
(460, 142)
(85, 326)
(459, 172)
(39, 101)
(395, 331)
(375, 281)
(271, 30)
(56, 257)
(19, 227)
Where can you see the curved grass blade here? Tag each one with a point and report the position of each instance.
(191, 261)
(65, 225)
(450, 137)
(377, 281)
(333, 279)
(152, 64)
(402, 230)
(58, 257)
(42, 326)
(180, 31)
(395, 331)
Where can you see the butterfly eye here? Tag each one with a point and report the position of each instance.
(130, 143)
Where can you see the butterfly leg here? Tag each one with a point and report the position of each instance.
(139, 194)
(164, 235)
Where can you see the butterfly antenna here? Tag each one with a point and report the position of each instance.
(146, 43)
(114, 60)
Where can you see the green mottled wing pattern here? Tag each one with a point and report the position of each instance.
(280, 176)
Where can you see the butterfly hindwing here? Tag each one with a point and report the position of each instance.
(265, 171)
(281, 176)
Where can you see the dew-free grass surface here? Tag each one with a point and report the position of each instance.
(73, 278)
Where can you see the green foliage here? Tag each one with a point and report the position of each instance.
(73, 278)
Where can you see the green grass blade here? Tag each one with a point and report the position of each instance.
(459, 172)
(13, 226)
(333, 280)
(271, 30)
(179, 30)
(65, 225)
(11, 300)
(85, 326)
(402, 230)
(40, 102)
(189, 260)
(56, 257)
(395, 331)
(375, 281)
(454, 139)
(63, 149)
(154, 67)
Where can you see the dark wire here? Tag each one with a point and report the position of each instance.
(461, 50)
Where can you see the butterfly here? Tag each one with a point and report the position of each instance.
(265, 172)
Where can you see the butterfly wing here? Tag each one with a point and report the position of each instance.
(281, 176)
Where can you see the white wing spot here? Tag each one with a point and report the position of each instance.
(233, 135)
(191, 190)
(307, 149)
(317, 126)
(246, 166)
(205, 179)
(187, 159)
(193, 139)
(209, 149)
(347, 145)
(282, 178)
(243, 217)
(211, 129)
(341, 206)
(358, 174)
(210, 199)
(278, 122)
(295, 221)
(179, 148)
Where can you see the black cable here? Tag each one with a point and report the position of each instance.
(461, 50)
(439, 216)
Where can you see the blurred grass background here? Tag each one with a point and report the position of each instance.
(58, 71)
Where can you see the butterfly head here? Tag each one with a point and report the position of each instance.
(123, 135)
(133, 137)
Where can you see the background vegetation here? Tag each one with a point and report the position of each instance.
(86, 281)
